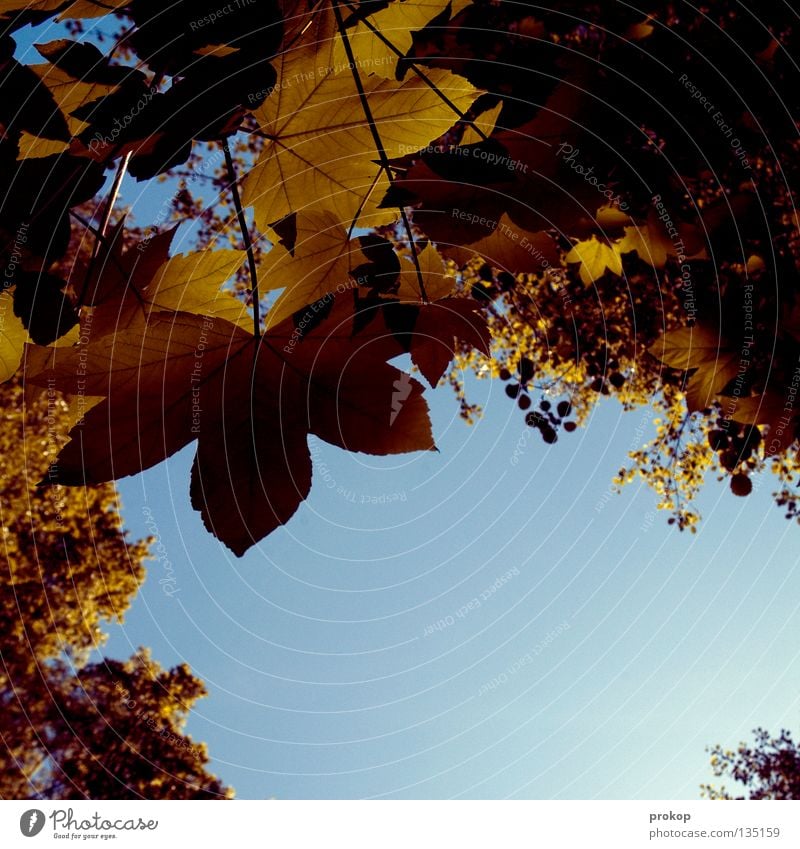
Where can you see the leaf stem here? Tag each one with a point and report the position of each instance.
(248, 245)
(376, 136)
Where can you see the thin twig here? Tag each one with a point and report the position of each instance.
(90, 227)
(248, 245)
(103, 226)
(361, 206)
(102, 238)
(311, 12)
(419, 72)
(376, 136)
(114, 193)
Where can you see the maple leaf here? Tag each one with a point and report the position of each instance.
(516, 173)
(13, 337)
(441, 327)
(769, 409)
(396, 24)
(481, 127)
(507, 247)
(250, 405)
(116, 266)
(96, 109)
(596, 258)
(159, 383)
(113, 109)
(321, 152)
(108, 109)
(128, 285)
(36, 147)
(654, 245)
(143, 364)
(436, 280)
(702, 349)
(350, 400)
(71, 94)
(320, 262)
(192, 283)
(650, 244)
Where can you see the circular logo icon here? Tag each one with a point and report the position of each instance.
(31, 822)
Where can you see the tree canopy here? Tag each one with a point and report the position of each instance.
(583, 200)
(71, 729)
(615, 217)
(768, 769)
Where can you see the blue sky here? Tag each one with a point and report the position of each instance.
(604, 652)
(641, 645)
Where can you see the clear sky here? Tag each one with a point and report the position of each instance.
(597, 653)
(328, 681)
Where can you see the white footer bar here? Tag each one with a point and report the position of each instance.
(403, 824)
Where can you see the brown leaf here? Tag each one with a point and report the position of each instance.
(180, 377)
(438, 328)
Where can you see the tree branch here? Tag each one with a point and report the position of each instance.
(248, 245)
(376, 136)
(418, 71)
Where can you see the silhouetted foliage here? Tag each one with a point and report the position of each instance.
(769, 769)
(70, 729)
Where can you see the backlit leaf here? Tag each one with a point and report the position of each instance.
(320, 152)
(13, 337)
(700, 348)
(437, 281)
(596, 258)
(397, 23)
(321, 263)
